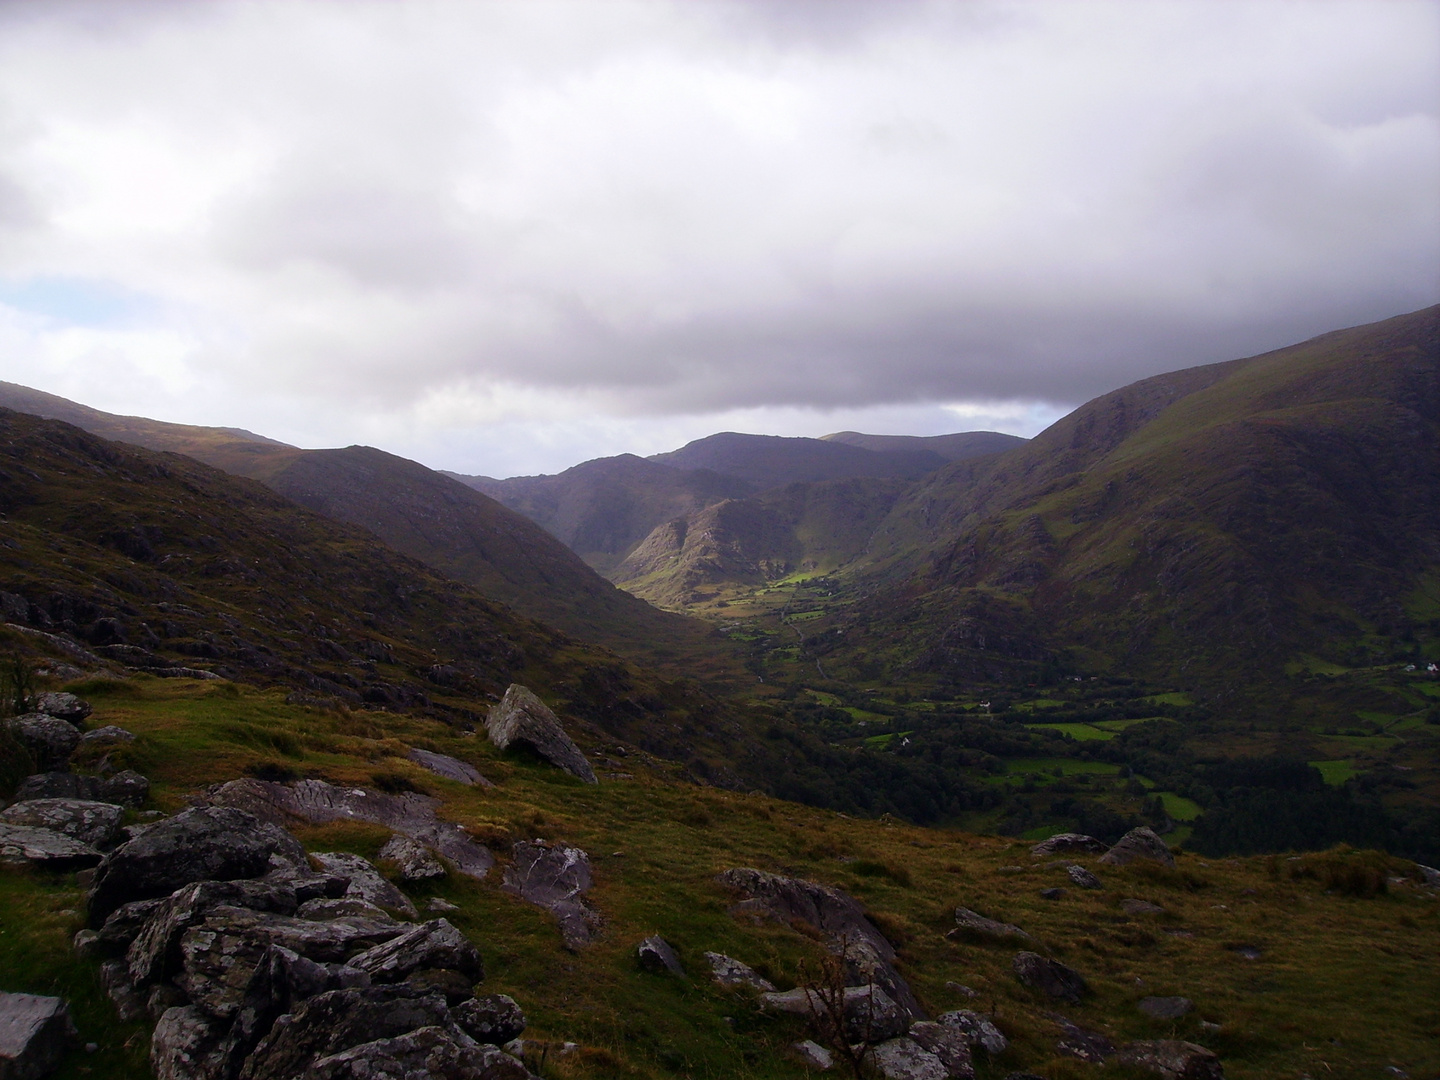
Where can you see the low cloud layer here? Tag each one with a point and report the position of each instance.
(494, 234)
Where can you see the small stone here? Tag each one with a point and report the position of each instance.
(1082, 878)
(1051, 894)
(971, 924)
(440, 905)
(656, 955)
(1172, 1059)
(1165, 1008)
(1132, 906)
(91, 1048)
(961, 989)
(1049, 976)
(812, 1055)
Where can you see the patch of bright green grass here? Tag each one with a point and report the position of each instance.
(1175, 697)
(1336, 772)
(1079, 732)
(1178, 807)
(1068, 766)
(1121, 725)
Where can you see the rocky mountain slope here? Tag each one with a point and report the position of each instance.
(954, 447)
(443, 523)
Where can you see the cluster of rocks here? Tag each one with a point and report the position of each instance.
(1138, 843)
(60, 819)
(256, 963)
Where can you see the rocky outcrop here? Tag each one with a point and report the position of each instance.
(1172, 1059)
(1050, 977)
(522, 718)
(44, 847)
(410, 814)
(435, 944)
(35, 1032)
(439, 1052)
(205, 843)
(970, 924)
(1066, 843)
(64, 706)
(1139, 843)
(977, 1030)
(656, 956)
(949, 1044)
(413, 861)
(494, 1019)
(94, 823)
(450, 768)
(732, 974)
(905, 1059)
(841, 921)
(555, 877)
(364, 883)
(127, 787)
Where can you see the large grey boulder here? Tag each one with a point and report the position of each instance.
(977, 1029)
(438, 1052)
(841, 921)
(339, 1020)
(93, 823)
(971, 924)
(435, 944)
(495, 1019)
(1065, 843)
(1172, 1059)
(410, 814)
(50, 739)
(1050, 977)
(1082, 878)
(185, 1045)
(949, 1044)
(905, 1059)
(413, 860)
(732, 974)
(656, 955)
(523, 718)
(65, 706)
(365, 882)
(44, 847)
(35, 1032)
(555, 877)
(212, 843)
(450, 768)
(869, 1015)
(1138, 843)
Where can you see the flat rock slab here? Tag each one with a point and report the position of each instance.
(44, 847)
(90, 822)
(555, 878)
(1067, 842)
(435, 944)
(451, 768)
(1139, 843)
(972, 924)
(413, 859)
(731, 973)
(315, 801)
(1078, 1042)
(34, 1035)
(870, 1015)
(523, 718)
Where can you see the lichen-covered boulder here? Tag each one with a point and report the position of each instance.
(731, 973)
(523, 718)
(48, 738)
(438, 1052)
(35, 1032)
(1139, 843)
(495, 1019)
(556, 877)
(414, 861)
(90, 822)
(365, 882)
(903, 1058)
(435, 944)
(1082, 878)
(44, 847)
(63, 706)
(949, 1044)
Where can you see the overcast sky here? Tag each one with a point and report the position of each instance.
(507, 237)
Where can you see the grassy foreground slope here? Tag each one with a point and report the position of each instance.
(1342, 984)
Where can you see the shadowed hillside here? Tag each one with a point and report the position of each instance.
(956, 447)
(771, 460)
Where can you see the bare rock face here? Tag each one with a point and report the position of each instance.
(213, 843)
(410, 814)
(905, 1059)
(1172, 1059)
(35, 1032)
(948, 1044)
(523, 718)
(970, 924)
(93, 823)
(64, 706)
(435, 944)
(977, 1029)
(365, 882)
(44, 847)
(556, 877)
(1065, 843)
(839, 918)
(494, 1019)
(50, 739)
(1139, 843)
(450, 768)
(1050, 977)
(655, 955)
(732, 974)
(413, 859)
(185, 1045)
